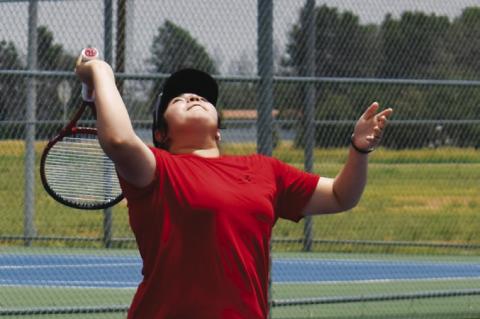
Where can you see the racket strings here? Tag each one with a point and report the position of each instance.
(78, 170)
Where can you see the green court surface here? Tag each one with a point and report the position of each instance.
(453, 307)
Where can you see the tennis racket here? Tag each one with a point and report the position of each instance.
(74, 169)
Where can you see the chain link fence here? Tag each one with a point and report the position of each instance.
(294, 77)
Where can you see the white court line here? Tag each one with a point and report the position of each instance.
(68, 256)
(68, 287)
(70, 266)
(372, 281)
(61, 283)
(372, 261)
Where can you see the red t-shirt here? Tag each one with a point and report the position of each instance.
(203, 228)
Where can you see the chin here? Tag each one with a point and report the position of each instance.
(201, 120)
(199, 124)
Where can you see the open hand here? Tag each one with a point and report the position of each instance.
(368, 131)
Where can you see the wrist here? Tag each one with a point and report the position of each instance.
(358, 149)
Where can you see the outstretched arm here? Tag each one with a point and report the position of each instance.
(133, 159)
(344, 191)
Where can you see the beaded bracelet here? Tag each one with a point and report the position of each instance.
(359, 149)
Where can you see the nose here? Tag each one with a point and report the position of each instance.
(194, 98)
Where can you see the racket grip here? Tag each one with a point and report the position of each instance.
(87, 55)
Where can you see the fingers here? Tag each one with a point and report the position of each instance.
(381, 121)
(380, 118)
(84, 69)
(372, 124)
(78, 64)
(386, 113)
(370, 112)
(81, 60)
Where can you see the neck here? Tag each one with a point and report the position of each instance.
(194, 142)
(207, 147)
(202, 152)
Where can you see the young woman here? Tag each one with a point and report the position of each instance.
(203, 220)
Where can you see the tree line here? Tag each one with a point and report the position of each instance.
(413, 46)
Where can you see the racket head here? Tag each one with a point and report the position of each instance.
(77, 173)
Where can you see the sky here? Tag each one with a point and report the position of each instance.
(227, 28)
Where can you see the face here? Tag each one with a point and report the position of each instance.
(191, 113)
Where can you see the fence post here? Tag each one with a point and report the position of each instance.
(29, 230)
(108, 57)
(265, 72)
(309, 109)
(121, 40)
(265, 92)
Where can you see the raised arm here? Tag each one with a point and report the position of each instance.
(344, 191)
(133, 159)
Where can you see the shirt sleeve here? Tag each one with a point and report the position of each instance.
(295, 188)
(132, 192)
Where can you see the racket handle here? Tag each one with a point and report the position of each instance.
(87, 55)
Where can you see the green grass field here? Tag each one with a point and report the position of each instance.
(413, 195)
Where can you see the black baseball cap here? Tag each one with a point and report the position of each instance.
(184, 81)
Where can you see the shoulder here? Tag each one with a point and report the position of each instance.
(158, 151)
(162, 157)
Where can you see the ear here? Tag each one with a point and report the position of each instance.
(218, 136)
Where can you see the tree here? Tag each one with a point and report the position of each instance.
(343, 46)
(174, 48)
(428, 46)
(464, 42)
(53, 57)
(12, 88)
(416, 45)
(413, 46)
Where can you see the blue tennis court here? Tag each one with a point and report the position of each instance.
(125, 271)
